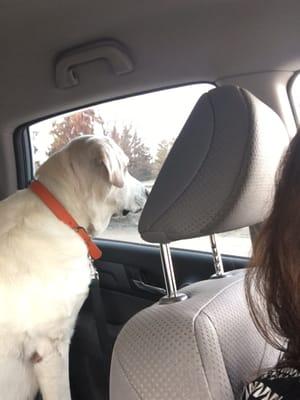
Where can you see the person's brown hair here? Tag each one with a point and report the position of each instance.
(273, 277)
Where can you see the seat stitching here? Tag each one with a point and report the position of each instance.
(214, 297)
(194, 329)
(204, 313)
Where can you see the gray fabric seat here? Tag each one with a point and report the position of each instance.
(206, 347)
(202, 348)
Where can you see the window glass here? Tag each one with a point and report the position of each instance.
(145, 127)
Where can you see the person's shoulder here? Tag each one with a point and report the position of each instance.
(275, 384)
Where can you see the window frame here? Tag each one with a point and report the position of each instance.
(291, 97)
(23, 156)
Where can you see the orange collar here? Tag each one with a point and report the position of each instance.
(62, 214)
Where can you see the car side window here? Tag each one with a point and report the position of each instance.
(145, 127)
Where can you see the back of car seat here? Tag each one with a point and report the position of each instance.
(218, 176)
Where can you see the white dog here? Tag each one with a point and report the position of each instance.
(44, 268)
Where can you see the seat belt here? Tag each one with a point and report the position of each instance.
(99, 314)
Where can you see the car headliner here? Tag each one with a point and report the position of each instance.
(171, 42)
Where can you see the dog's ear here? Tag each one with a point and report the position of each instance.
(114, 164)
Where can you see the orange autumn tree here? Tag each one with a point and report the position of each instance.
(87, 122)
(72, 126)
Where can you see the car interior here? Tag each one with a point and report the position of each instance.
(176, 319)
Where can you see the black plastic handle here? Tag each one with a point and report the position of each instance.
(149, 288)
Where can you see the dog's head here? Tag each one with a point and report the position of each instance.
(94, 174)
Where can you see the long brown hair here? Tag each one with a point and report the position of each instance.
(273, 277)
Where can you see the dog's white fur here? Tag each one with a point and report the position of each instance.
(44, 272)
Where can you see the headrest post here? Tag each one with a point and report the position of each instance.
(168, 270)
(218, 263)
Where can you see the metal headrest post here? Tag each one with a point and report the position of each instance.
(217, 258)
(173, 296)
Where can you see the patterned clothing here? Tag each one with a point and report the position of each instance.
(276, 384)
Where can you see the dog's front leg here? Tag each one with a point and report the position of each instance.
(52, 372)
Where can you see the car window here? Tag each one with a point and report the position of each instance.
(145, 127)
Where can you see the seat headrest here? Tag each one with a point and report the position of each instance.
(220, 173)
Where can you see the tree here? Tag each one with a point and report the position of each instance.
(161, 154)
(85, 123)
(72, 126)
(140, 165)
(123, 139)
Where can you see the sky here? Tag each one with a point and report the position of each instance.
(155, 116)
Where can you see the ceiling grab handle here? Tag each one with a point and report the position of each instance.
(111, 51)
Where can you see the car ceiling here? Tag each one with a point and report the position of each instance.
(170, 41)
